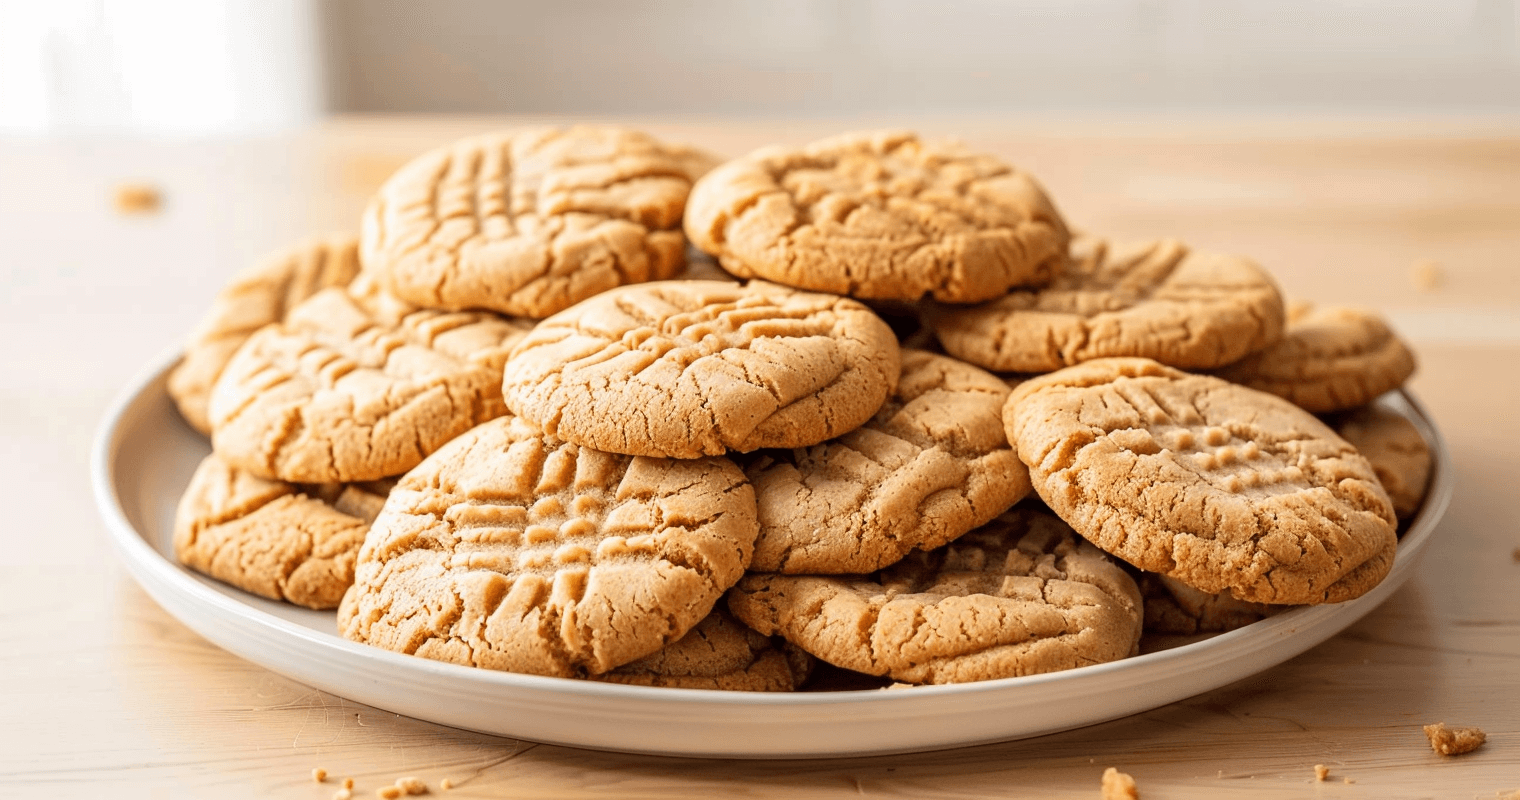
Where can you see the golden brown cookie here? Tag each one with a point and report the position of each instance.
(530, 221)
(1330, 359)
(879, 215)
(254, 298)
(510, 550)
(720, 653)
(691, 368)
(1397, 451)
(353, 389)
(1155, 300)
(274, 539)
(932, 464)
(1020, 596)
(1175, 608)
(1219, 486)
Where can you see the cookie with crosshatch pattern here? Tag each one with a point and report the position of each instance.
(1216, 485)
(1330, 359)
(879, 214)
(530, 221)
(354, 385)
(1158, 300)
(685, 369)
(508, 549)
(1020, 596)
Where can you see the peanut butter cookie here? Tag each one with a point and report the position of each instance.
(357, 387)
(1175, 608)
(879, 215)
(1397, 451)
(691, 368)
(1156, 300)
(511, 550)
(530, 221)
(1330, 359)
(720, 653)
(931, 465)
(254, 298)
(1020, 596)
(278, 540)
(1219, 486)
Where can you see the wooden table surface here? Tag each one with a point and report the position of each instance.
(102, 694)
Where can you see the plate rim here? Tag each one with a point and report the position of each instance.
(147, 565)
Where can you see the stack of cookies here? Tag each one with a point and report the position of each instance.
(505, 426)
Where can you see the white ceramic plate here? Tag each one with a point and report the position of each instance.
(144, 456)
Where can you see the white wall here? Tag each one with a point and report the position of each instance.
(895, 56)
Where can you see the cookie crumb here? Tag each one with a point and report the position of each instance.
(1321, 772)
(388, 792)
(138, 198)
(1427, 276)
(445, 784)
(1119, 786)
(1453, 741)
(348, 783)
(343, 794)
(319, 775)
(1515, 554)
(1347, 781)
(411, 785)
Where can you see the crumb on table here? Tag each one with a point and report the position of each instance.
(411, 785)
(1119, 786)
(1321, 772)
(319, 775)
(138, 198)
(1427, 276)
(1449, 741)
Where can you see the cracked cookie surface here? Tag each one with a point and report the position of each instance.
(1330, 359)
(692, 368)
(279, 540)
(932, 463)
(720, 653)
(1020, 596)
(1156, 300)
(1219, 486)
(353, 387)
(1398, 453)
(511, 550)
(255, 297)
(879, 215)
(530, 221)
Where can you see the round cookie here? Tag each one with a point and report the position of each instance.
(255, 297)
(879, 215)
(354, 387)
(1173, 608)
(719, 653)
(1330, 359)
(278, 540)
(530, 221)
(931, 465)
(1216, 485)
(1397, 451)
(511, 550)
(1020, 596)
(691, 368)
(1155, 300)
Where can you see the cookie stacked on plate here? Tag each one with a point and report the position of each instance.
(591, 470)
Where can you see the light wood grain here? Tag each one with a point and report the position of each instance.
(103, 694)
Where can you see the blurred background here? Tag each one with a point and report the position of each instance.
(209, 66)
